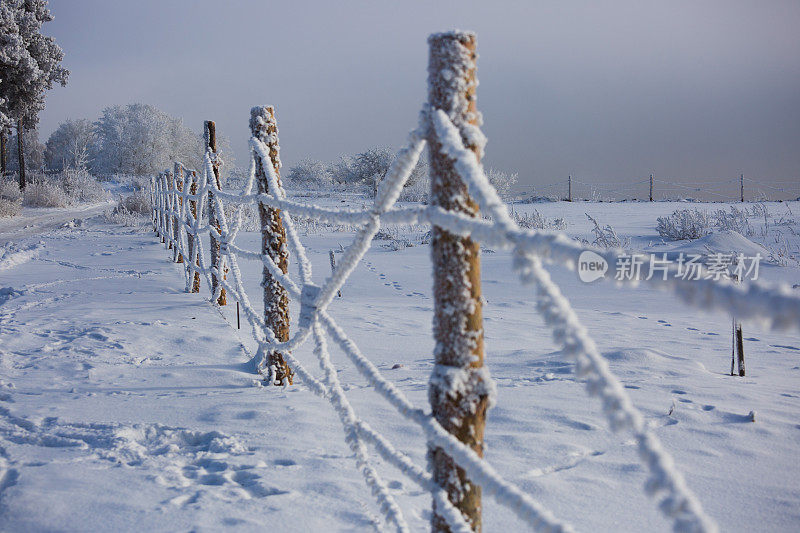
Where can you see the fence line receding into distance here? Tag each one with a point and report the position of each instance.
(449, 126)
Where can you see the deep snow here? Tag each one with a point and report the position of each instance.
(127, 404)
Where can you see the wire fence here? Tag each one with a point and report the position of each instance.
(738, 189)
(181, 197)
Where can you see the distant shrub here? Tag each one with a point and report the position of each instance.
(131, 210)
(81, 187)
(10, 197)
(9, 208)
(684, 224)
(45, 192)
(535, 220)
(606, 236)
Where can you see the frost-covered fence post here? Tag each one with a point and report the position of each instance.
(264, 127)
(171, 226)
(153, 208)
(460, 387)
(216, 255)
(177, 176)
(191, 237)
(161, 207)
(651, 187)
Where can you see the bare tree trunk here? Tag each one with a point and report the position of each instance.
(21, 153)
(3, 150)
(213, 219)
(459, 387)
(273, 240)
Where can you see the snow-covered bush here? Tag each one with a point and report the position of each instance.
(733, 220)
(535, 220)
(138, 202)
(10, 198)
(131, 210)
(42, 191)
(684, 224)
(606, 236)
(82, 187)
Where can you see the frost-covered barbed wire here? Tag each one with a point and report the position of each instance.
(773, 305)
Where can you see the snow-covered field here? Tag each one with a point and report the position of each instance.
(127, 404)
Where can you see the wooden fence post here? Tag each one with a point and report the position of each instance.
(264, 127)
(191, 237)
(216, 255)
(651, 187)
(459, 386)
(741, 187)
(569, 188)
(178, 177)
(161, 207)
(170, 207)
(153, 205)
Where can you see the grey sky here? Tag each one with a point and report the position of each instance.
(606, 91)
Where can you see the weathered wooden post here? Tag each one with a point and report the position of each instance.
(153, 206)
(569, 188)
(191, 237)
(213, 219)
(651, 187)
(161, 206)
(177, 176)
(741, 187)
(264, 127)
(459, 386)
(170, 211)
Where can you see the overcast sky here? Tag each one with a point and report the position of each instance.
(605, 91)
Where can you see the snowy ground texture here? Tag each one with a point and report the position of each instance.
(128, 404)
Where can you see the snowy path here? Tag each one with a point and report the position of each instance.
(96, 326)
(127, 404)
(35, 220)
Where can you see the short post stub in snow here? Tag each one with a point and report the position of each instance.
(459, 386)
(210, 131)
(178, 177)
(332, 257)
(264, 127)
(191, 237)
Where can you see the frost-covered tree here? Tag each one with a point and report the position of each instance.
(30, 63)
(140, 139)
(502, 181)
(310, 173)
(69, 145)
